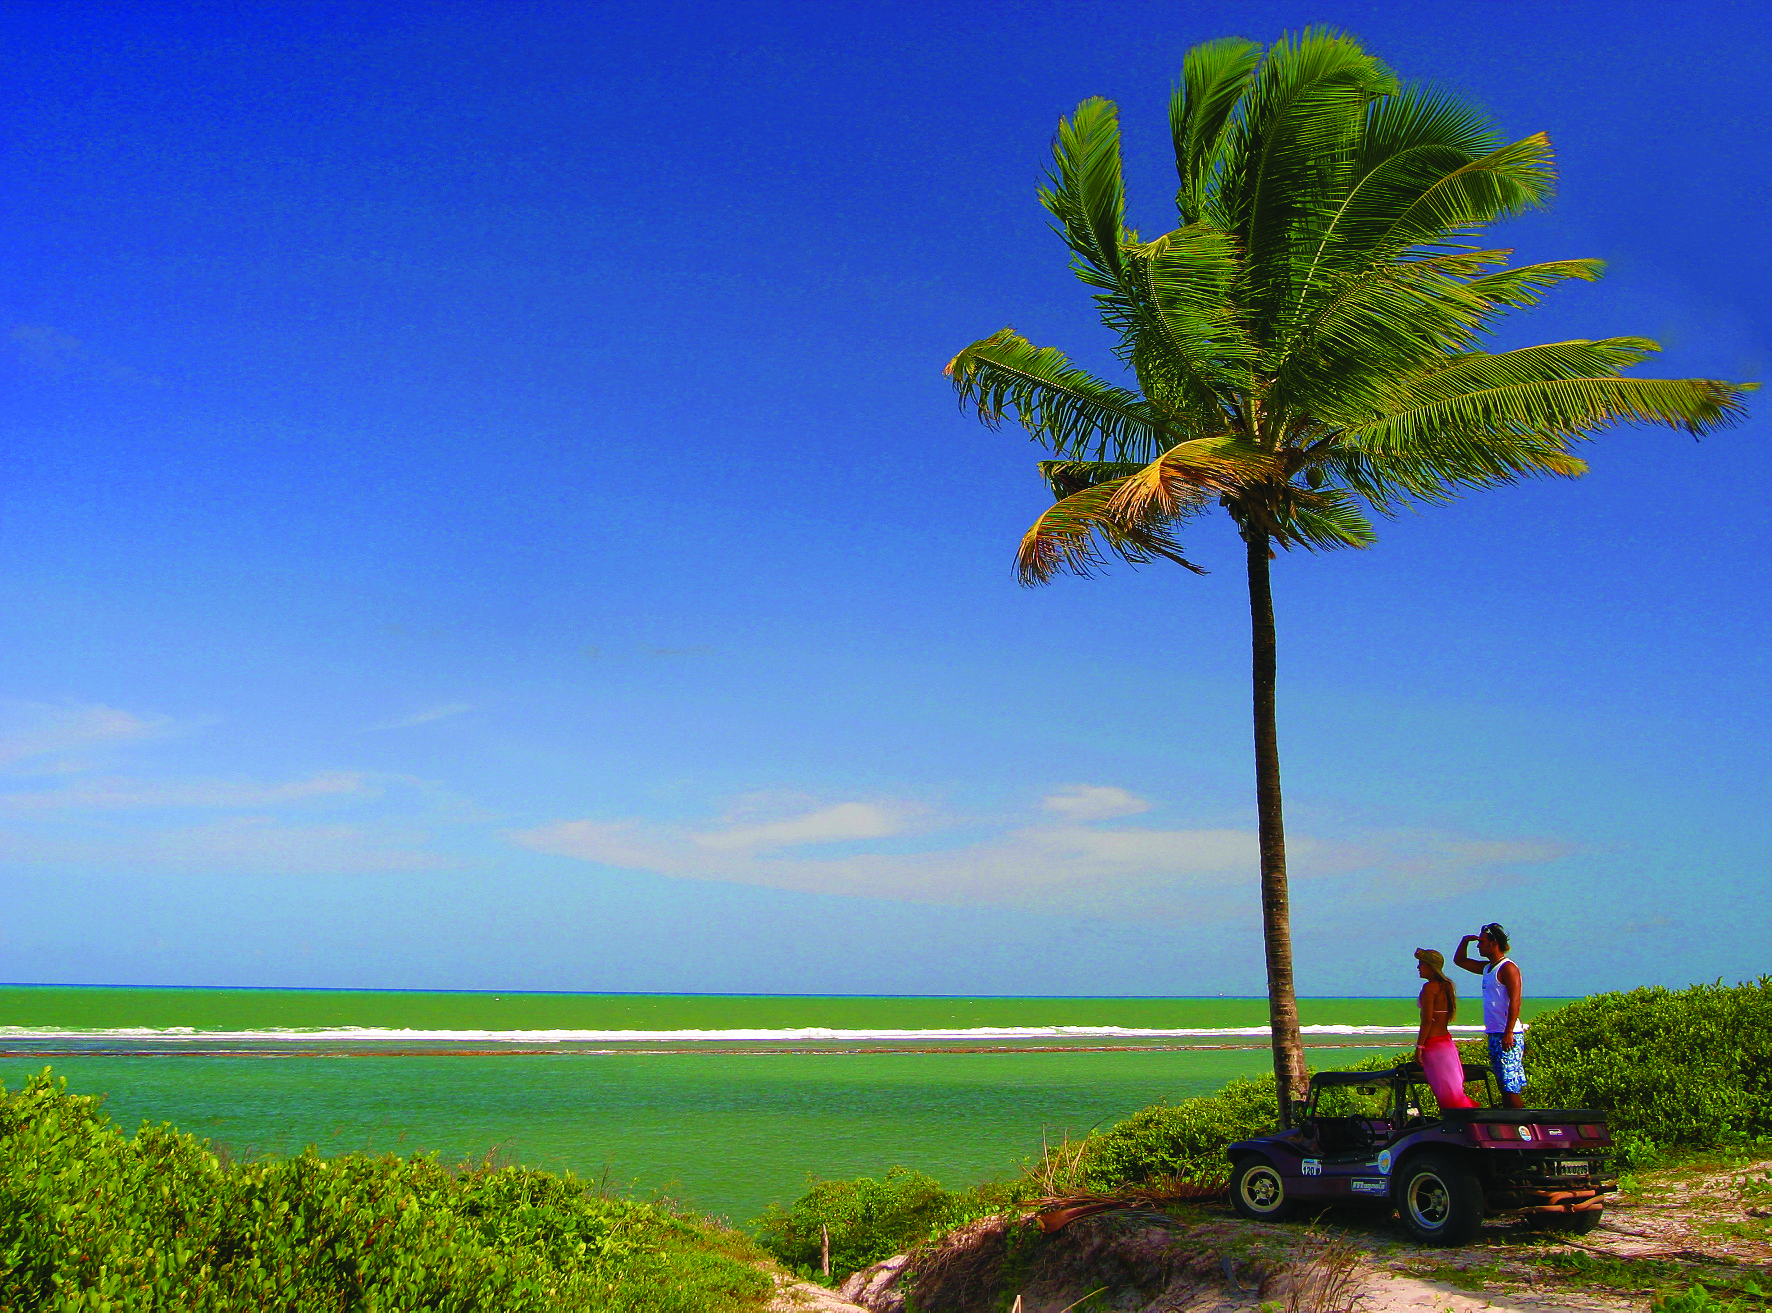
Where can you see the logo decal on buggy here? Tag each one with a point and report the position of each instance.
(1384, 1162)
(1360, 1186)
(1313, 1167)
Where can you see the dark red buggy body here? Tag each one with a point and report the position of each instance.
(1361, 1137)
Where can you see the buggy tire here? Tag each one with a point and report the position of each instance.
(1440, 1200)
(1258, 1191)
(1569, 1223)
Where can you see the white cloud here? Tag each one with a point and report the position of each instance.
(111, 820)
(124, 794)
(1182, 851)
(263, 844)
(844, 821)
(259, 845)
(1060, 863)
(30, 732)
(613, 843)
(426, 716)
(1424, 866)
(1079, 858)
(1094, 802)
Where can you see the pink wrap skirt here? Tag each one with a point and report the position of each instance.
(1445, 1072)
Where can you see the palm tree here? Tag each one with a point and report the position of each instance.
(1304, 349)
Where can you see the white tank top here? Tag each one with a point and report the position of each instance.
(1495, 999)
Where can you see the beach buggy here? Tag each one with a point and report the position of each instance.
(1361, 1137)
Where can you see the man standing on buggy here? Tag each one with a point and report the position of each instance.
(1502, 991)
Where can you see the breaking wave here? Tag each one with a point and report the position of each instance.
(788, 1035)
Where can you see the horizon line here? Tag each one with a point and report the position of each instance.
(684, 993)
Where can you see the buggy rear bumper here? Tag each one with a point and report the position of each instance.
(1588, 1199)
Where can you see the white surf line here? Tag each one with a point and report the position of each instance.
(798, 1034)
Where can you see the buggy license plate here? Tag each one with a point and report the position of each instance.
(1572, 1167)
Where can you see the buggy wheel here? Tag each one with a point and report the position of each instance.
(1258, 1192)
(1440, 1201)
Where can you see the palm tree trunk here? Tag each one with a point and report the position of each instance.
(1276, 912)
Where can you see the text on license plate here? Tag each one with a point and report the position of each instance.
(1572, 1167)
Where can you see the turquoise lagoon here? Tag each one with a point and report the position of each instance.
(726, 1103)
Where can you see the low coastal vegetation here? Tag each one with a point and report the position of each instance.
(1677, 1071)
(91, 1219)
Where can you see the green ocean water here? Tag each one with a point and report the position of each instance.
(249, 1009)
(726, 1133)
(727, 1126)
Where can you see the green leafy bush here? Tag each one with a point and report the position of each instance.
(868, 1220)
(92, 1220)
(1185, 1139)
(1689, 1067)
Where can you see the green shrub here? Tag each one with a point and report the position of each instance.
(869, 1220)
(1185, 1139)
(1690, 1067)
(91, 1220)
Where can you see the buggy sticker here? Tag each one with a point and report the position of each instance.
(1313, 1167)
(1384, 1162)
(1364, 1186)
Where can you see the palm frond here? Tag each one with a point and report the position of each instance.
(1380, 329)
(1065, 477)
(1436, 467)
(1496, 435)
(1416, 122)
(1078, 533)
(1214, 77)
(1320, 520)
(1549, 360)
(1086, 193)
(1410, 141)
(1564, 407)
(1372, 331)
(1179, 324)
(1507, 181)
(1186, 476)
(1069, 409)
(1522, 286)
(1295, 138)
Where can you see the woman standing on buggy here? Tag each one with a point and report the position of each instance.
(1434, 1049)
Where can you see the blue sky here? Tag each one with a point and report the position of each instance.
(481, 509)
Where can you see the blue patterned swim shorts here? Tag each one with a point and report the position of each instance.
(1509, 1065)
